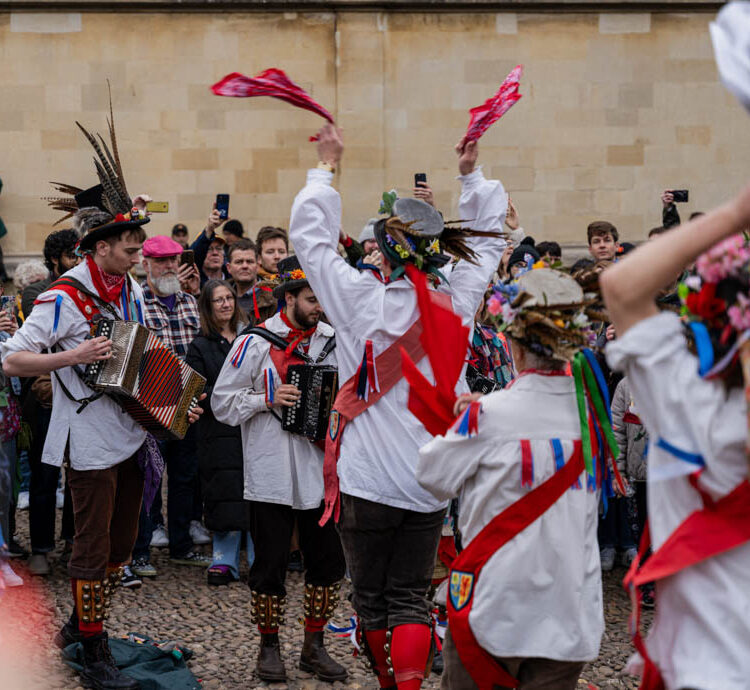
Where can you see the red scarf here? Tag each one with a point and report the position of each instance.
(295, 335)
(107, 285)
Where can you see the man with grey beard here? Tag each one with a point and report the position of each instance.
(171, 312)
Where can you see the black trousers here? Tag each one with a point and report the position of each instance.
(271, 527)
(391, 555)
(43, 491)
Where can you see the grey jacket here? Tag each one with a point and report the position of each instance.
(632, 438)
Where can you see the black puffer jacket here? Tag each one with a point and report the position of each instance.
(219, 445)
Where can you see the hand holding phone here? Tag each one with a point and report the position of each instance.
(680, 196)
(222, 205)
(187, 258)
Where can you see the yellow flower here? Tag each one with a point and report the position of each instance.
(559, 323)
(401, 251)
(539, 264)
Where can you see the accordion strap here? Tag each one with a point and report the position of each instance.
(279, 342)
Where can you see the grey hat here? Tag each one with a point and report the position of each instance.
(368, 232)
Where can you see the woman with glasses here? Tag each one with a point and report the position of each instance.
(220, 445)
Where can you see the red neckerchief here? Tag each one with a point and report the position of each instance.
(295, 335)
(107, 285)
(265, 288)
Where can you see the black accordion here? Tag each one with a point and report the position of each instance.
(318, 384)
(154, 386)
(478, 383)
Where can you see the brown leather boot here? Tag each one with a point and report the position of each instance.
(270, 666)
(315, 659)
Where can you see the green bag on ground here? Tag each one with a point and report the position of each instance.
(155, 668)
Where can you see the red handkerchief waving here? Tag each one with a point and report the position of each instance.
(445, 341)
(494, 108)
(271, 82)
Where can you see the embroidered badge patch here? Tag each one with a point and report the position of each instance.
(333, 425)
(461, 589)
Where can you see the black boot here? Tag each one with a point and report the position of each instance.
(99, 669)
(270, 666)
(315, 659)
(69, 633)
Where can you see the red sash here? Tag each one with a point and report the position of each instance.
(348, 405)
(466, 569)
(718, 527)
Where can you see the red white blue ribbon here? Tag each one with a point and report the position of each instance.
(268, 380)
(468, 422)
(367, 375)
(239, 353)
(527, 464)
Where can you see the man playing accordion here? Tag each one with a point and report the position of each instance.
(284, 470)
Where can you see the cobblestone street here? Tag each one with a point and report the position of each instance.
(215, 623)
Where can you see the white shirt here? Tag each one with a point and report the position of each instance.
(379, 448)
(540, 595)
(700, 637)
(102, 435)
(280, 467)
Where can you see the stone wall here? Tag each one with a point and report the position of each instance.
(616, 107)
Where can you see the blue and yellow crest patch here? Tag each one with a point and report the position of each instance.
(461, 588)
(333, 425)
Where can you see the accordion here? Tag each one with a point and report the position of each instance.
(154, 386)
(318, 384)
(478, 383)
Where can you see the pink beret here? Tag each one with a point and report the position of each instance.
(161, 246)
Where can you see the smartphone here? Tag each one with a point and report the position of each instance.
(420, 177)
(8, 305)
(680, 196)
(222, 205)
(158, 206)
(187, 257)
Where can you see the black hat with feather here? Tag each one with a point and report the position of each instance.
(106, 209)
(416, 233)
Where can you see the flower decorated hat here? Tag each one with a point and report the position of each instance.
(290, 276)
(546, 311)
(415, 232)
(716, 305)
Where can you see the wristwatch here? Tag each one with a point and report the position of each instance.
(327, 167)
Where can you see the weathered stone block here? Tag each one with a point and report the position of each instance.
(195, 159)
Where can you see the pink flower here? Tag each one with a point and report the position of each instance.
(494, 305)
(730, 257)
(739, 314)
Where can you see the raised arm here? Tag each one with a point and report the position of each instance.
(631, 286)
(483, 205)
(314, 229)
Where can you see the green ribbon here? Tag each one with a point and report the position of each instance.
(582, 414)
(601, 413)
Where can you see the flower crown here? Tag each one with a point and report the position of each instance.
(716, 295)
(545, 310)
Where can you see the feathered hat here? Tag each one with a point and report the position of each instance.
(106, 209)
(547, 311)
(415, 232)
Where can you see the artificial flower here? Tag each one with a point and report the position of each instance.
(705, 304)
(739, 313)
(728, 258)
